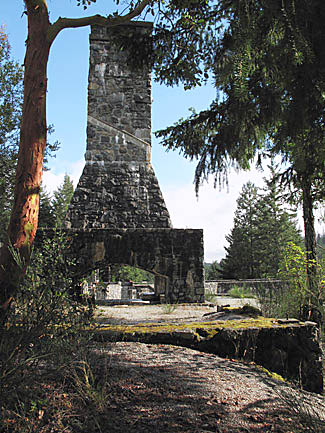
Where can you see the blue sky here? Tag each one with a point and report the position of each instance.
(67, 110)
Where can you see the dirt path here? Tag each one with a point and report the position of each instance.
(168, 389)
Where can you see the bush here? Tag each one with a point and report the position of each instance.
(169, 308)
(294, 295)
(44, 325)
(211, 297)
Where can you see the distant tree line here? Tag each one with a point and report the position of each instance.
(263, 226)
(53, 210)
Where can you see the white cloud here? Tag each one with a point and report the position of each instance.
(52, 179)
(213, 211)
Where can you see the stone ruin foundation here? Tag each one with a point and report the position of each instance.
(117, 213)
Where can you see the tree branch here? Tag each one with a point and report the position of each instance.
(64, 23)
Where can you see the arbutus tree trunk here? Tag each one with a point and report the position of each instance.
(15, 254)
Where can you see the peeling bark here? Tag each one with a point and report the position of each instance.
(15, 254)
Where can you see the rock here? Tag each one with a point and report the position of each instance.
(291, 350)
(225, 312)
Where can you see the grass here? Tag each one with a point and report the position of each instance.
(211, 297)
(240, 292)
(71, 397)
(169, 308)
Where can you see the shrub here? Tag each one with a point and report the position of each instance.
(211, 297)
(294, 295)
(45, 324)
(169, 308)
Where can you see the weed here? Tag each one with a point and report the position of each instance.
(240, 292)
(169, 308)
(211, 297)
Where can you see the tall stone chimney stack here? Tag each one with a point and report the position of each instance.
(118, 187)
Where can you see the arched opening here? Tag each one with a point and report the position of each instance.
(173, 256)
(122, 283)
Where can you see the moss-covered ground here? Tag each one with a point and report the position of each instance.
(210, 328)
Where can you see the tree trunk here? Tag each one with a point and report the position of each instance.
(15, 255)
(310, 241)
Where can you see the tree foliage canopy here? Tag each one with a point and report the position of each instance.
(267, 62)
(262, 229)
(267, 65)
(10, 112)
(11, 93)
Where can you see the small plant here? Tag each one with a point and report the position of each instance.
(44, 327)
(169, 308)
(211, 297)
(290, 300)
(84, 382)
(240, 292)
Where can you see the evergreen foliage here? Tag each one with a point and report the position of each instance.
(10, 111)
(130, 273)
(267, 61)
(61, 200)
(11, 94)
(262, 229)
(212, 271)
(276, 224)
(241, 260)
(46, 215)
(52, 211)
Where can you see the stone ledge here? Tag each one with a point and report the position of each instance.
(291, 350)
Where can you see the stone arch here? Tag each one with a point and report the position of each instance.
(117, 213)
(170, 254)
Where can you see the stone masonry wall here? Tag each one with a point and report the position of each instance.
(174, 256)
(118, 198)
(291, 350)
(118, 187)
(256, 286)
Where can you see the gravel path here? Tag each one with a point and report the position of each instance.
(132, 314)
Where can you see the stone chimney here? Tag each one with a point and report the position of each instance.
(118, 187)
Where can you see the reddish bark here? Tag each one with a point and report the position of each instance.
(24, 216)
